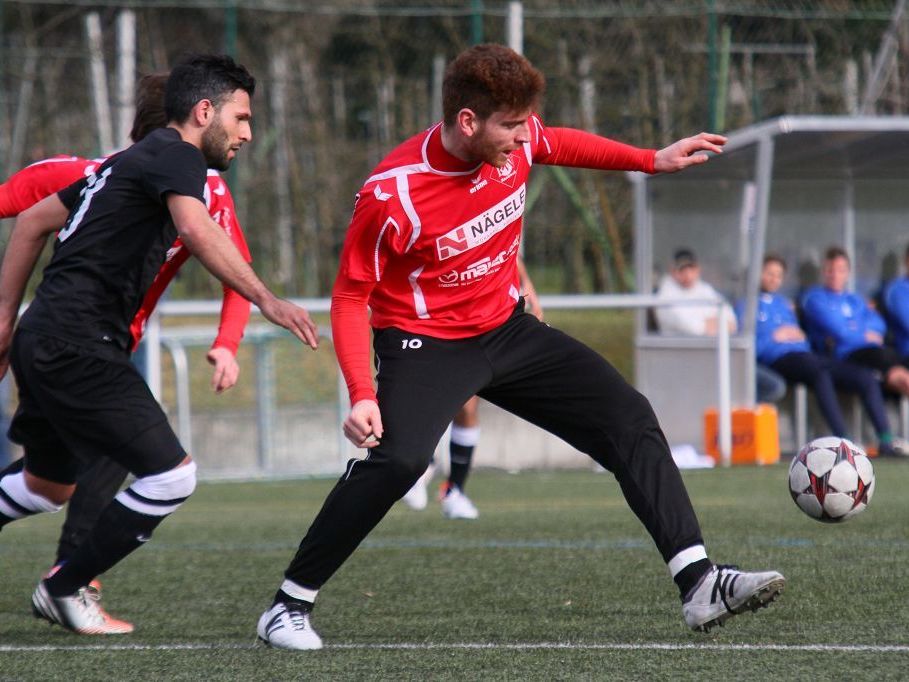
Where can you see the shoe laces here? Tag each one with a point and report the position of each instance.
(88, 600)
(296, 614)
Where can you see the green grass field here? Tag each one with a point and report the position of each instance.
(556, 580)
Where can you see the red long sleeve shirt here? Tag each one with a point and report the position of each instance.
(432, 246)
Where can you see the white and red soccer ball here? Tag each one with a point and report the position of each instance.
(831, 479)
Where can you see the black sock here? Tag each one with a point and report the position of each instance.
(461, 455)
(119, 531)
(281, 597)
(688, 577)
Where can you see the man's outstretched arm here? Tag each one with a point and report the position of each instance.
(211, 245)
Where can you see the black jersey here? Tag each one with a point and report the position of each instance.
(114, 242)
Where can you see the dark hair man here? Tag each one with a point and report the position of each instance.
(79, 396)
(99, 482)
(432, 250)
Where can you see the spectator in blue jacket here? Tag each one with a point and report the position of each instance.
(841, 323)
(896, 305)
(781, 345)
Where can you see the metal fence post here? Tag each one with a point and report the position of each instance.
(265, 402)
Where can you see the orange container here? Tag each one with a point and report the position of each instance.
(755, 435)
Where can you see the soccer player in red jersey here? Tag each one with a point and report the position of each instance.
(98, 483)
(431, 251)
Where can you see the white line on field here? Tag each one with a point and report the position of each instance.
(420, 646)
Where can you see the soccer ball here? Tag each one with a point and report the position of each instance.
(831, 479)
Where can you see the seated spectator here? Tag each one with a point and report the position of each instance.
(684, 283)
(842, 324)
(896, 306)
(782, 347)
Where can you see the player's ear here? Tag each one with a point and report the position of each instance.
(467, 122)
(204, 112)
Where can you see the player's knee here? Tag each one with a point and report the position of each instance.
(405, 472)
(19, 498)
(160, 494)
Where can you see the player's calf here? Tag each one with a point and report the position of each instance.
(126, 524)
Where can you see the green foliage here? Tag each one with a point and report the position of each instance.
(554, 558)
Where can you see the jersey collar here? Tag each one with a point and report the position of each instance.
(439, 160)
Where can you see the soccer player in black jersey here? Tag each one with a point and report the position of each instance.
(79, 395)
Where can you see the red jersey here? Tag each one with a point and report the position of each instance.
(435, 239)
(41, 179)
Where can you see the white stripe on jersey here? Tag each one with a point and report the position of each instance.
(379, 244)
(400, 170)
(407, 205)
(539, 127)
(419, 301)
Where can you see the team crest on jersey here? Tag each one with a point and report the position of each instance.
(507, 174)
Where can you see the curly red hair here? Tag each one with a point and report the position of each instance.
(490, 78)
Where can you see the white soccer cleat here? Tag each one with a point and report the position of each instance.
(287, 626)
(724, 592)
(456, 505)
(417, 498)
(80, 612)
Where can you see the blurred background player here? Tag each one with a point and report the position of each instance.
(455, 195)
(841, 323)
(79, 396)
(100, 480)
(782, 347)
(465, 434)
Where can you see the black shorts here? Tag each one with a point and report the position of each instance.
(880, 358)
(75, 406)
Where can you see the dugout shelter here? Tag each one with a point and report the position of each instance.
(792, 185)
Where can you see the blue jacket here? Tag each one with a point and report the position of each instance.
(774, 311)
(896, 302)
(838, 322)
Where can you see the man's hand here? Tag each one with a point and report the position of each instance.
(227, 370)
(363, 426)
(293, 318)
(874, 337)
(679, 155)
(533, 304)
(788, 333)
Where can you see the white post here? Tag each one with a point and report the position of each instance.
(514, 26)
(723, 372)
(98, 72)
(438, 75)
(152, 338)
(126, 75)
